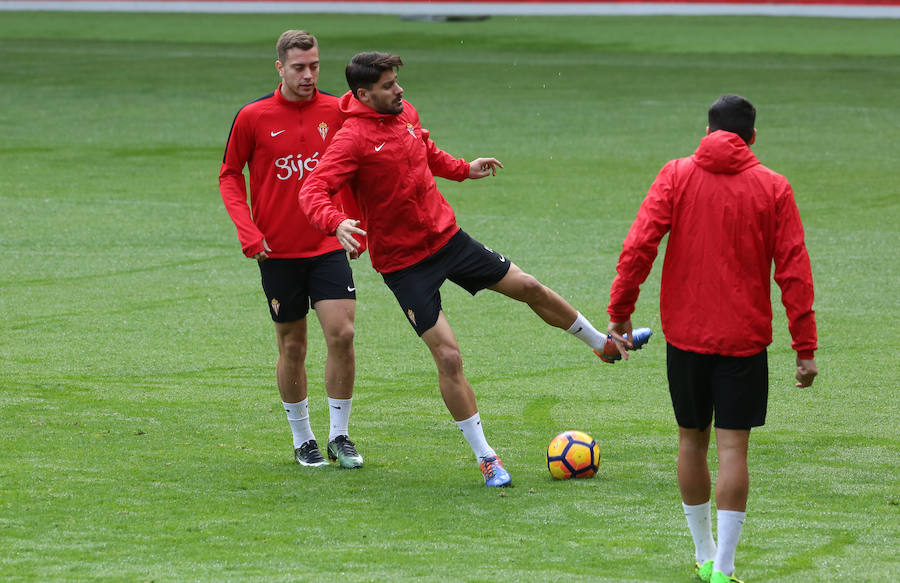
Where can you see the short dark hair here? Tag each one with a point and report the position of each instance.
(734, 114)
(294, 39)
(365, 69)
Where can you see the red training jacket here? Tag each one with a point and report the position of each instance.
(282, 141)
(729, 218)
(389, 162)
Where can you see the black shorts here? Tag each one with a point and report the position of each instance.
(736, 388)
(291, 285)
(463, 260)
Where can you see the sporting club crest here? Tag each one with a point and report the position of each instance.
(323, 129)
(411, 129)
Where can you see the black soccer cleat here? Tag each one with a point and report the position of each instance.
(309, 455)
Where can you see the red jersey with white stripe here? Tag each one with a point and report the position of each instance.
(281, 141)
(729, 218)
(389, 162)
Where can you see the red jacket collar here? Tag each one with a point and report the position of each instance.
(298, 104)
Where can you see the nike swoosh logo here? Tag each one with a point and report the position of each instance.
(378, 148)
(273, 134)
(351, 289)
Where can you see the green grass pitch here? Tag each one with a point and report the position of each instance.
(141, 435)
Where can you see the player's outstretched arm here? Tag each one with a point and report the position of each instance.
(806, 371)
(481, 167)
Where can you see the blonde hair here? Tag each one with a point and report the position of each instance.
(294, 39)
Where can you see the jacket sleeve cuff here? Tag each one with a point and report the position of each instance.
(253, 249)
(618, 317)
(806, 354)
(336, 220)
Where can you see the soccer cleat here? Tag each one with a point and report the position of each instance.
(720, 577)
(704, 571)
(493, 472)
(308, 454)
(610, 354)
(343, 450)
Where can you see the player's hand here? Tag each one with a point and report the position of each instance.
(262, 255)
(618, 330)
(806, 371)
(344, 234)
(481, 167)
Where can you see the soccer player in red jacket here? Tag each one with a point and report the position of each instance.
(729, 218)
(390, 163)
(282, 136)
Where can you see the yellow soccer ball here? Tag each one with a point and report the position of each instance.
(573, 454)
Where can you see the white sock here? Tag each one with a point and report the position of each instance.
(585, 331)
(339, 411)
(474, 434)
(298, 419)
(728, 523)
(700, 523)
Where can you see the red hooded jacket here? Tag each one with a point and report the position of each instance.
(389, 162)
(729, 218)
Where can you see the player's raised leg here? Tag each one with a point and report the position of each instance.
(460, 399)
(549, 305)
(290, 372)
(556, 311)
(546, 303)
(336, 318)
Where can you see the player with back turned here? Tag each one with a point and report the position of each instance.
(729, 218)
(281, 137)
(390, 163)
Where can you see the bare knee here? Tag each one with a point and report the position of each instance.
(732, 446)
(340, 337)
(292, 348)
(529, 289)
(448, 360)
(693, 441)
(291, 337)
(532, 286)
(691, 451)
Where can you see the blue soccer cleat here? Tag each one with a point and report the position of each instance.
(610, 353)
(493, 472)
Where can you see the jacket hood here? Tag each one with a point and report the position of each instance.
(724, 152)
(352, 106)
